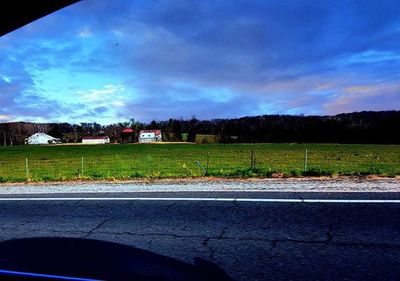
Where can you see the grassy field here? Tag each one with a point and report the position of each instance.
(48, 163)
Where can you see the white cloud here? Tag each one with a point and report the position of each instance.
(117, 32)
(370, 56)
(101, 94)
(5, 78)
(4, 117)
(381, 96)
(85, 32)
(118, 103)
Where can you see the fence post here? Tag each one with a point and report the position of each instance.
(148, 165)
(82, 166)
(201, 167)
(252, 162)
(26, 168)
(208, 161)
(305, 160)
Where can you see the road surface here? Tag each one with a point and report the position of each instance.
(286, 237)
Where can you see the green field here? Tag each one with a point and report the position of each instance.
(63, 162)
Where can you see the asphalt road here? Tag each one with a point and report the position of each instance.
(250, 240)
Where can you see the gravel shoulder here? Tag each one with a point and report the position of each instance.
(341, 184)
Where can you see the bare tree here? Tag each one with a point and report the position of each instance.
(41, 128)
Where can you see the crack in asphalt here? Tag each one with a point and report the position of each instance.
(210, 249)
(221, 236)
(96, 227)
(207, 239)
(25, 223)
(328, 243)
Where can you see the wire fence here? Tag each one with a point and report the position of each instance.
(161, 165)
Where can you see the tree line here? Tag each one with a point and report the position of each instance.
(381, 127)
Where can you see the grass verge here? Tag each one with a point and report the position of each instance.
(125, 162)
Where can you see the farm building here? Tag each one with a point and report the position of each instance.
(41, 138)
(95, 140)
(127, 135)
(203, 139)
(150, 136)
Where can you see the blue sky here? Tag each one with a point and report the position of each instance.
(109, 61)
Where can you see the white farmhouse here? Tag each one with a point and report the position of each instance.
(150, 136)
(41, 138)
(96, 140)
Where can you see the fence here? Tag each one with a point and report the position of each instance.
(223, 163)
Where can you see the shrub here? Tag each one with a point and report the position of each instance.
(370, 171)
(96, 175)
(296, 173)
(374, 171)
(47, 178)
(137, 175)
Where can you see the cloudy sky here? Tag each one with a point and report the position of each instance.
(112, 60)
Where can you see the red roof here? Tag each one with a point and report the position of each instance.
(127, 130)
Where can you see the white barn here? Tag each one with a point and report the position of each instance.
(41, 138)
(96, 140)
(150, 136)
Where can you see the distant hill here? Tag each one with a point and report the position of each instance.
(381, 127)
(358, 127)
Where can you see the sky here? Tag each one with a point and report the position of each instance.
(108, 61)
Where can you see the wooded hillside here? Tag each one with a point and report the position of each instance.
(361, 127)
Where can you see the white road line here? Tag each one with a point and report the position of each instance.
(265, 200)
